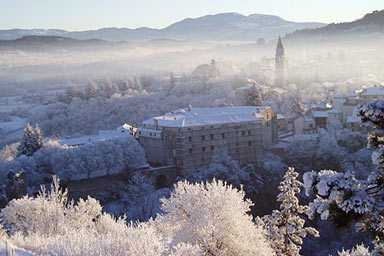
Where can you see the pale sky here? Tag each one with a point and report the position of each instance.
(94, 14)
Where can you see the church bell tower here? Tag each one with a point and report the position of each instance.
(280, 65)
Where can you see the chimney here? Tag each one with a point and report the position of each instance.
(156, 123)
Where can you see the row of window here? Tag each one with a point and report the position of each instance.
(150, 134)
(212, 136)
(203, 149)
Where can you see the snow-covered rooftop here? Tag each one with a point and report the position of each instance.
(103, 135)
(207, 116)
(320, 114)
(279, 91)
(249, 86)
(373, 91)
(335, 111)
(353, 119)
(244, 87)
(351, 95)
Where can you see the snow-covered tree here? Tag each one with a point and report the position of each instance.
(31, 142)
(359, 250)
(198, 219)
(347, 200)
(213, 216)
(172, 82)
(297, 107)
(285, 227)
(9, 152)
(50, 225)
(224, 167)
(253, 97)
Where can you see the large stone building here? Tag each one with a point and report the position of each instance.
(189, 137)
(280, 65)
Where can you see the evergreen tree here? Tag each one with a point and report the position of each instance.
(172, 83)
(346, 200)
(31, 142)
(285, 228)
(297, 106)
(253, 97)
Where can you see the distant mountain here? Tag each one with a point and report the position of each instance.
(224, 26)
(38, 42)
(371, 25)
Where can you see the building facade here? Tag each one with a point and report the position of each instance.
(188, 138)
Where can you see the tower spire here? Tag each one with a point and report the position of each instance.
(280, 64)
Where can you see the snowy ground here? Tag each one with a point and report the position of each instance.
(12, 130)
(15, 124)
(8, 249)
(9, 104)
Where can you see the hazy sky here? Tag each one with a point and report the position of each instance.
(93, 14)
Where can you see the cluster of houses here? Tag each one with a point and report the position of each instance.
(189, 137)
(338, 112)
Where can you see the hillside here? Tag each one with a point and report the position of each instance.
(37, 42)
(371, 25)
(228, 26)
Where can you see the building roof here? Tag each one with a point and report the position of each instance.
(249, 86)
(373, 91)
(207, 116)
(335, 111)
(320, 114)
(123, 130)
(244, 87)
(328, 84)
(351, 95)
(278, 90)
(353, 119)
(280, 48)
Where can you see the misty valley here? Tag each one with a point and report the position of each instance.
(224, 134)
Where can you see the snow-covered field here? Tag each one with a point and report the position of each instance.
(9, 104)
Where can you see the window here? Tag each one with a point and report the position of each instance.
(190, 139)
(212, 148)
(150, 134)
(223, 135)
(249, 143)
(249, 132)
(212, 136)
(242, 133)
(203, 137)
(203, 149)
(190, 151)
(202, 159)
